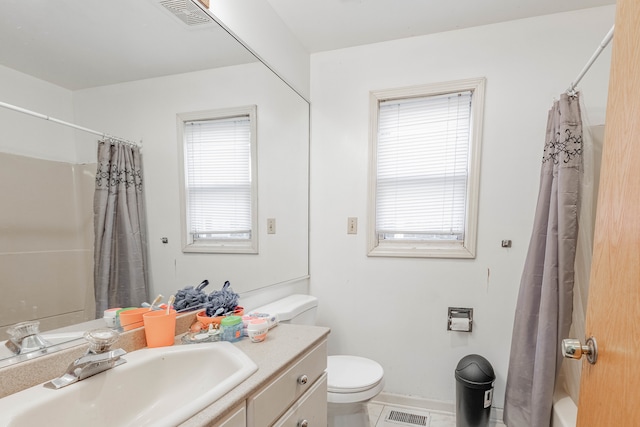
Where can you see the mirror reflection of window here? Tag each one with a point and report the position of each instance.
(219, 185)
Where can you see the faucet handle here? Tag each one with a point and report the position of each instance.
(24, 329)
(100, 340)
(25, 337)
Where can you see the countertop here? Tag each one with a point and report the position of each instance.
(284, 344)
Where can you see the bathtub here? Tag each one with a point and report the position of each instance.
(565, 411)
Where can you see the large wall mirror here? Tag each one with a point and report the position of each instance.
(128, 69)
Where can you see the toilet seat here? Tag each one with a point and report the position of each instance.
(353, 379)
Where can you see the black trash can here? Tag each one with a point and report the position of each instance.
(474, 391)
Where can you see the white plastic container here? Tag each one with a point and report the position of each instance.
(109, 317)
(257, 329)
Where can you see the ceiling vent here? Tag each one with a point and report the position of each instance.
(187, 12)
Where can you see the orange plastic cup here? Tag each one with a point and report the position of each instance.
(132, 319)
(160, 328)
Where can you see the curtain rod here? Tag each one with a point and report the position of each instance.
(53, 119)
(593, 58)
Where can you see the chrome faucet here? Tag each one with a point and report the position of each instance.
(25, 337)
(98, 358)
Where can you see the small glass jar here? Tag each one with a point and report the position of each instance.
(231, 327)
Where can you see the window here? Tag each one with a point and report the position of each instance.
(424, 168)
(219, 186)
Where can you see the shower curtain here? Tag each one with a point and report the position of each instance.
(545, 299)
(593, 137)
(120, 272)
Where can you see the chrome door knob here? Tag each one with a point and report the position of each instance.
(573, 349)
(303, 423)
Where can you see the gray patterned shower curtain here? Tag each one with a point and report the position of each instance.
(545, 300)
(120, 272)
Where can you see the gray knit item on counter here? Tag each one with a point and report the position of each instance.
(225, 298)
(191, 298)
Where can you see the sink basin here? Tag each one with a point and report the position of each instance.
(157, 386)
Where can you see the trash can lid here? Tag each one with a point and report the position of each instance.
(475, 370)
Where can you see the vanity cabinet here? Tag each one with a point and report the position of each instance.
(237, 418)
(298, 394)
(289, 387)
(310, 410)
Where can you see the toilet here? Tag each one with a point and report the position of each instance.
(351, 380)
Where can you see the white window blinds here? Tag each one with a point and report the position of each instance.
(422, 169)
(218, 178)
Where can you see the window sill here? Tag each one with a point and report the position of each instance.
(409, 250)
(221, 248)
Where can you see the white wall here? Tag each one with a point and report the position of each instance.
(147, 110)
(394, 310)
(260, 28)
(24, 135)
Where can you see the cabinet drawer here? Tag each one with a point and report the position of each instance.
(264, 407)
(312, 408)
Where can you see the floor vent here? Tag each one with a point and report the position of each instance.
(407, 418)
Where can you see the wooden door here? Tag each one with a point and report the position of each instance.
(610, 389)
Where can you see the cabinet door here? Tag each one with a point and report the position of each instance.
(312, 408)
(268, 404)
(238, 418)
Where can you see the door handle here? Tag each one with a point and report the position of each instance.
(573, 349)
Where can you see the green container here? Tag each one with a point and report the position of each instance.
(231, 327)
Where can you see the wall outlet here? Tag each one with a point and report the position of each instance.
(271, 226)
(352, 225)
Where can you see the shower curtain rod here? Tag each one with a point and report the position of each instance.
(593, 58)
(62, 122)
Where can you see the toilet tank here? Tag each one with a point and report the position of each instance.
(296, 309)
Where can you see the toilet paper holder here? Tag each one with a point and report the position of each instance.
(460, 319)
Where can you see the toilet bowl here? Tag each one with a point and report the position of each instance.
(351, 380)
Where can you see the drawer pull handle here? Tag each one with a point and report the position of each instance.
(303, 423)
(302, 380)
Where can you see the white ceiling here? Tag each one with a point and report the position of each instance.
(85, 43)
(322, 25)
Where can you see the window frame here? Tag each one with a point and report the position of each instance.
(429, 249)
(226, 246)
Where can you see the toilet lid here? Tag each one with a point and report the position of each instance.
(352, 374)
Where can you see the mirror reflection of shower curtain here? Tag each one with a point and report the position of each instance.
(592, 156)
(545, 299)
(120, 272)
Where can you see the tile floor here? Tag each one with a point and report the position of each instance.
(378, 412)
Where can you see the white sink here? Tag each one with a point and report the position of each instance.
(157, 386)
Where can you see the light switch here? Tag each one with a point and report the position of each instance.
(352, 225)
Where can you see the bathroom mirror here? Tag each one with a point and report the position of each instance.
(127, 69)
